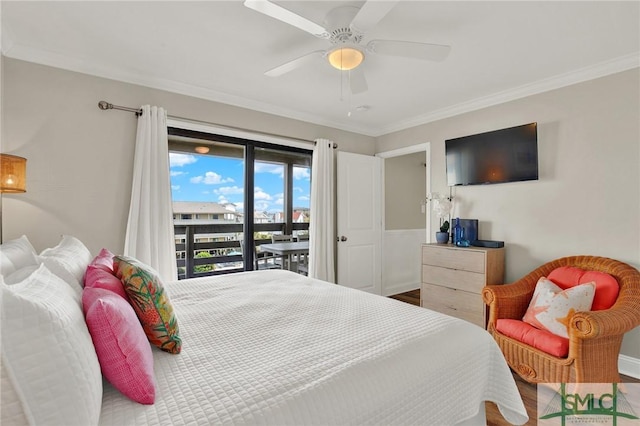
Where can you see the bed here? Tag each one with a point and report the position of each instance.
(276, 348)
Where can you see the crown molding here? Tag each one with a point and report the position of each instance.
(56, 60)
(26, 53)
(616, 65)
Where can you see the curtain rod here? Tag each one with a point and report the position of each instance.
(104, 105)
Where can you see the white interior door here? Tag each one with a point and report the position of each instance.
(359, 188)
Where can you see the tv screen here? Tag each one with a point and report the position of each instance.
(506, 155)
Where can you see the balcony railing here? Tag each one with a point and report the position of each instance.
(214, 249)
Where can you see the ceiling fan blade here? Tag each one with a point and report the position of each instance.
(296, 63)
(409, 49)
(357, 81)
(273, 10)
(370, 14)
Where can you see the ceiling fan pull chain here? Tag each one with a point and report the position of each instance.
(341, 86)
(350, 94)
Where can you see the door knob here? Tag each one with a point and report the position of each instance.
(343, 238)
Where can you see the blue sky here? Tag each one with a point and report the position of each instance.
(219, 179)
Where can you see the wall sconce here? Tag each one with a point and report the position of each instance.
(13, 173)
(13, 178)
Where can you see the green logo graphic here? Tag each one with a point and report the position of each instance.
(583, 406)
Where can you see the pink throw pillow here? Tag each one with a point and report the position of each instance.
(104, 260)
(122, 347)
(551, 308)
(96, 277)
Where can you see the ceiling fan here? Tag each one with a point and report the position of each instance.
(344, 28)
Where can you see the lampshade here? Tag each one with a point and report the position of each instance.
(13, 173)
(345, 58)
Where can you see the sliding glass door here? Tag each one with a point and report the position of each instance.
(230, 195)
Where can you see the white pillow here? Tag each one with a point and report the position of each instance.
(551, 307)
(48, 352)
(20, 274)
(12, 412)
(16, 254)
(68, 260)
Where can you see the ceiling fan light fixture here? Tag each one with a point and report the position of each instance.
(345, 58)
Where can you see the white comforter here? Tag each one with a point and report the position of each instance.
(273, 347)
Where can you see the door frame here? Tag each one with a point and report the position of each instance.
(413, 149)
(423, 147)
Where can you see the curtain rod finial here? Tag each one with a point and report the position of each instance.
(105, 105)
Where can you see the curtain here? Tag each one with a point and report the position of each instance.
(322, 227)
(150, 236)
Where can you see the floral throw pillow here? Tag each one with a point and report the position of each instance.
(551, 308)
(150, 302)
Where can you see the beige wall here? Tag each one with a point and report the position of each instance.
(405, 186)
(587, 200)
(80, 158)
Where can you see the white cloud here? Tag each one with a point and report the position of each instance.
(179, 160)
(175, 187)
(261, 205)
(274, 169)
(210, 178)
(301, 173)
(303, 198)
(259, 194)
(175, 173)
(229, 190)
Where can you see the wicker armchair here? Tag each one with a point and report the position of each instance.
(594, 336)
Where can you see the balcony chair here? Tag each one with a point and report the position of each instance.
(260, 259)
(283, 261)
(303, 259)
(595, 336)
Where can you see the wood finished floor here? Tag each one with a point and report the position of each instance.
(528, 391)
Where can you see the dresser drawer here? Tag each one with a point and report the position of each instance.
(454, 258)
(462, 280)
(457, 303)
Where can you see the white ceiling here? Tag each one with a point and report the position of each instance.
(219, 50)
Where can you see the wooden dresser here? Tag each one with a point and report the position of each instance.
(453, 278)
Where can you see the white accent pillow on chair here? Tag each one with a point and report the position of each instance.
(551, 307)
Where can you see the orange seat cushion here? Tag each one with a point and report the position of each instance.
(607, 287)
(539, 339)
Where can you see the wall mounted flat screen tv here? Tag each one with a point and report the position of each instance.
(499, 156)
